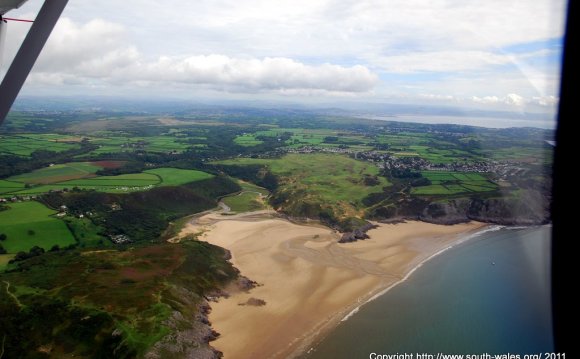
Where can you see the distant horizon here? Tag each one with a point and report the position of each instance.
(396, 112)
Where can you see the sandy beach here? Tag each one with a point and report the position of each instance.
(308, 281)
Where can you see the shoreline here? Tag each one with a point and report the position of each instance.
(475, 234)
(318, 337)
(485, 229)
(309, 282)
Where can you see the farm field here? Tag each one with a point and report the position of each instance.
(436, 155)
(58, 173)
(525, 154)
(7, 186)
(112, 184)
(400, 145)
(299, 137)
(29, 224)
(24, 145)
(158, 144)
(176, 177)
(449, 183)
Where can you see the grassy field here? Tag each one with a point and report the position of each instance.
(58, 173)
(7, 186)
(245, 202)
(524, 154)
(176, 177)
(449, 183)
(29, 224)
(435, 155)
(330, 180)
(304, 137)
(24, 145)
(112, 184)
(120, 181)
(247, 140)
(252, 198)
(86, 232)
(402, 144)
(250, 187)
(113, 143)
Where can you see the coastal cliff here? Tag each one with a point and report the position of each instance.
(528, 208)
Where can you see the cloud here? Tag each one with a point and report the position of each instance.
(547, 101)
(439, 61)
(371, 49)
(510, 101)
(323, 28)
(250, 74)
(515, 100)
(98, 52)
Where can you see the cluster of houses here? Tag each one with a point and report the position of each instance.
(117, 238)
(504, 169)
(63, 211)
(18, 199)
(120, 238)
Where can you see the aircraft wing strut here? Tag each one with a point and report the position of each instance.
(28, 52)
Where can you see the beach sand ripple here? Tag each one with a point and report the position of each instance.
(308, 281)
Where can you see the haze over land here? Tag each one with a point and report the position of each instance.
(478, 55)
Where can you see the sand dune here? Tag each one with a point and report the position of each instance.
(308, 281)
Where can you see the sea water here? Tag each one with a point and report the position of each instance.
(490, 294)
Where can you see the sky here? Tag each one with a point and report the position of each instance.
(487, 55)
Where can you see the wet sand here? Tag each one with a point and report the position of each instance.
(308, 281)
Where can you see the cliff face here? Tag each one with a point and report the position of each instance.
(528, 207)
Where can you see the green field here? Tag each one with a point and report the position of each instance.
(86, 232)
(250, 187)
(29, 224)
(525, 154)
(449, 183)
(57, 173)
(113, 143)
(330, 180)
(127, 180)
(436, 155)
(245, 202)
(7, 186)
(402, 144)
(247, 140)
(113, 184)
(25, 145)
(177, 177)
(251, 198)
(301, 137)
